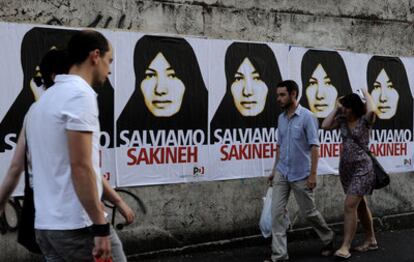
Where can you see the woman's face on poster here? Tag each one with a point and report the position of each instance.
(163, 91)
(385, 96)
(249, 91)
(320, 92)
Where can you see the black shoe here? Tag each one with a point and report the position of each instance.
(328, 249)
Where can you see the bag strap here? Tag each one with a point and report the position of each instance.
(26, 161)
(356, 140)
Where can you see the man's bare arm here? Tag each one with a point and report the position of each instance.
(314, 166)
(83, 175)
(84, 182)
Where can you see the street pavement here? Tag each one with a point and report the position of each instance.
(394, 246)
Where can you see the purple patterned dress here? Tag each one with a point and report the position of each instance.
(355, 166)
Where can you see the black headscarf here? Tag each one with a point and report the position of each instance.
(403, 118)
(36, 43)
(261, 56)
(193, 113)
(334, 67)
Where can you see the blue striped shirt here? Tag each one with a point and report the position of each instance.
(295, 138)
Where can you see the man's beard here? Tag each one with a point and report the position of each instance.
(287, 105)
(97, 83)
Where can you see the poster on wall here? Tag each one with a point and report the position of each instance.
(243, 109)
(162, 126)
(28, 45)
(16, 95)
(326, 75)
(106, 105)
(392, 91)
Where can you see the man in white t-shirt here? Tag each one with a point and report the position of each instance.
(62, 132)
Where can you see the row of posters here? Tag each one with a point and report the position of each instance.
(182, 109)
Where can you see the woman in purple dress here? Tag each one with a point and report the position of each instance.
(355, 120)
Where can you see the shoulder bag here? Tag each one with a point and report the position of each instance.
(382, 179)
(26, 232)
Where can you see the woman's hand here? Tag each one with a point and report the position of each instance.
(338, 105)
(329, 121)
(365, 92)
(370, 105)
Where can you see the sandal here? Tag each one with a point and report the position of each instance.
(366, 247)
(340, 256)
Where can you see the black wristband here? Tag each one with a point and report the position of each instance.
(100, 230)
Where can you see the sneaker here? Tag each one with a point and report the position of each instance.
(328, 249)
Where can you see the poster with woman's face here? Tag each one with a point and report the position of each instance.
(243, 106)
(30, 44)
(35, 43)
(388, 84)
(322, 77)
(12, 75)
(163, 125)
(390, 89)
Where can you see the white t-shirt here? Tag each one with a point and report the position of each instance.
(70, 104)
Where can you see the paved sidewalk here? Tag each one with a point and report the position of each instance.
(395, 246)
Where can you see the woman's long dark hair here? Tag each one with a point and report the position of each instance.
(354, 102)
(403, 118)
(334, 67)
(54, 62)
(193, 113)
(264, 61)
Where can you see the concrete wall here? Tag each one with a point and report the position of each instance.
(184, 214)
(377, 26)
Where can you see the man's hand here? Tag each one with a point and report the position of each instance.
(311, 182)
(270, 179)
(126, 212)
(102, 248)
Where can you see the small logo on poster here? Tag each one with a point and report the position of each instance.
(198, 171)
(407, 162)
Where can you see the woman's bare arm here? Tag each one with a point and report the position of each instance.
(13, 173)
(329, 122)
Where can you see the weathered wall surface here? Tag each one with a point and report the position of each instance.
(378, 26)
(183, 214)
